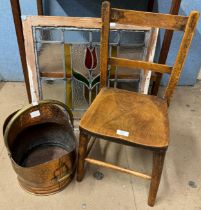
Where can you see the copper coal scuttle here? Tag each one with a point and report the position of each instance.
(42, 146)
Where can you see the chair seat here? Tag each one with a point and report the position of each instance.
(128, 116)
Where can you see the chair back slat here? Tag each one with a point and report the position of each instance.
(147, 19)
(104, 47)
(123, 62)
(182, 54)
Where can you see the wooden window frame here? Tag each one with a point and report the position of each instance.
(75, 22)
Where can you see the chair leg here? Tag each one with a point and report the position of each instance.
(158, 160)
(82, 150)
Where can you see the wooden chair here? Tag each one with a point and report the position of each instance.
(127, 117)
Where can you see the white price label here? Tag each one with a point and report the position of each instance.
(35, 114)
(112, 24)
(123, 133)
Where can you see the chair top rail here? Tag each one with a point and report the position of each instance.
(149, 19)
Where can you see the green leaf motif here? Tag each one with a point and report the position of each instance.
(84, 80)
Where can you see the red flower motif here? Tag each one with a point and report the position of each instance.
(90, 58)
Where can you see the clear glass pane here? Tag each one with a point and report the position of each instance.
(50, 57)
(114, 38)
(96, 37)
(133, 53)
(76, 37)
(54, 89)
(132, 38)
(48, 34)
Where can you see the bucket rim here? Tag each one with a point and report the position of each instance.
(18, 113)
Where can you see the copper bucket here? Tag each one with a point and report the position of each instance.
(42, 146)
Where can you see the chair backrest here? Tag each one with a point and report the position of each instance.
(153, 20)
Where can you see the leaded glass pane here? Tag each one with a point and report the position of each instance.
(70, 58)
